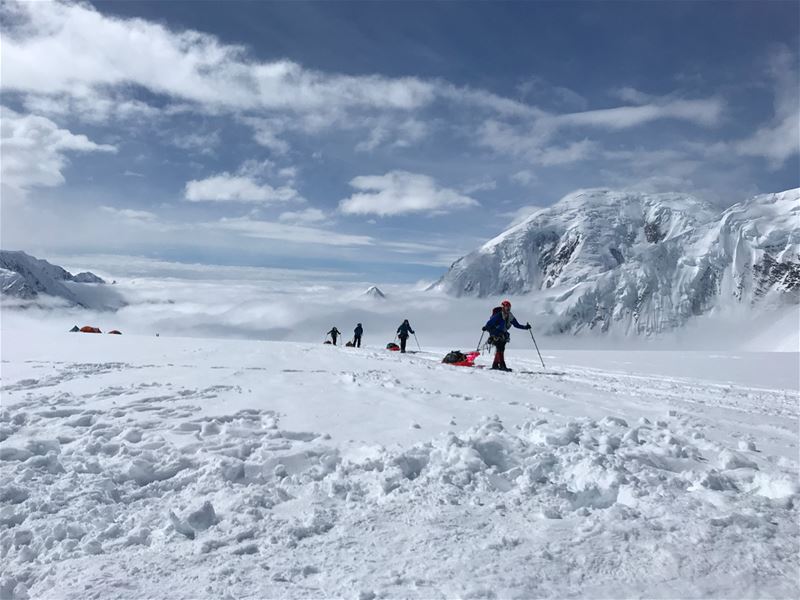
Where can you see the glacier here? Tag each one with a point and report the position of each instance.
(640, 263)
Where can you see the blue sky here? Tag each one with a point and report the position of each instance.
(382, 138)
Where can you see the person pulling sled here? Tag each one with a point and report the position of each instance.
(497, 327)
(334, 333)
(403, 332)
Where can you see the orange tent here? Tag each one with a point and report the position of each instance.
(90, 329)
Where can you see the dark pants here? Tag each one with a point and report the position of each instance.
(403, 344)
(499, 354)
(357, 341)
(333, 337)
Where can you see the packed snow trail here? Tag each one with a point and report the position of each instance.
(131, 466)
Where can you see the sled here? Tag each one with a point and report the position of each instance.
(392, 347)
(459, 359)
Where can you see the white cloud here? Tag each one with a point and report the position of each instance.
(129, 214)
(535, 140)
(227, 187)
(303, 217)
(522, 213)
(246, 185)
(400, 192)
(539, 88)
(702, 112)
(534, 144)
(267, 132)
(570, 153)
(297, 234)
(390, 132)
(91, 106)
(56, 48)
(484, 185)
(778, 140)
(524, 177)
(632, 95)
(203, 143)
(34, 150)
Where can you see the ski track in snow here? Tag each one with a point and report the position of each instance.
(243, 469)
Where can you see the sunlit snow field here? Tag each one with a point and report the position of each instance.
(140, 466)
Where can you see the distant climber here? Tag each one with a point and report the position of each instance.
(334, 333)
(403, 332)
(357, 333)
(497, 326)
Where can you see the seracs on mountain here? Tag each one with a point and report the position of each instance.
(645, 263)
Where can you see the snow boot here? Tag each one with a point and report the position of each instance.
(499, 361)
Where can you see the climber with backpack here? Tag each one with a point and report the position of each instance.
(403, 332)
(357, 333)
(497, 327)
(334, 333)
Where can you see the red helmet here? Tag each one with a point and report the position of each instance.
(505, 304)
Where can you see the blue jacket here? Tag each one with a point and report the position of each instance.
(497, 324)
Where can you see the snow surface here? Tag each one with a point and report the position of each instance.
(136, 466)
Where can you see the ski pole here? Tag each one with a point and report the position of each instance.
(478, 348)
(537, 347)
(416, 340)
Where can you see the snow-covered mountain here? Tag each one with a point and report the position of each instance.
(24, 276)
(375, 292)
(645, 263)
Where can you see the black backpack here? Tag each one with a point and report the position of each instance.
(454, 356)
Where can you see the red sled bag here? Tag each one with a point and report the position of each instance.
(393, 347)
(459, 359)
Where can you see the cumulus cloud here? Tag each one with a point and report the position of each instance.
(227, 187)
(35, 149)
(246, 185)
(401, 192)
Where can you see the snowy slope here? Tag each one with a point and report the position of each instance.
(24, 276)
(131, 465)
(640, 263)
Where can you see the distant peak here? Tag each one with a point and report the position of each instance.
(374, 292)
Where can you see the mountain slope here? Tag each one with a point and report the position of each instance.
(24, 276)
(643, 263)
